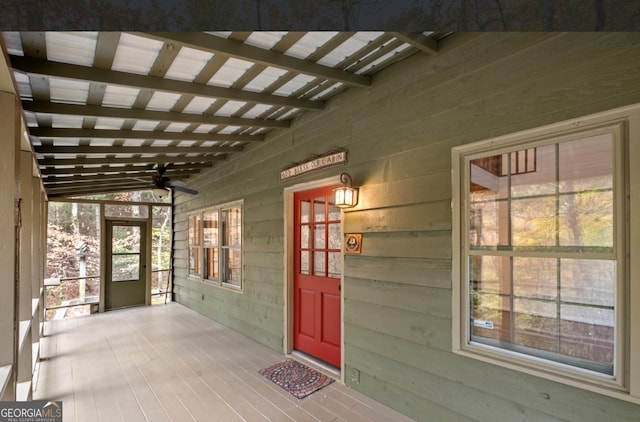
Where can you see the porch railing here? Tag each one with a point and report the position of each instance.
(82, 294)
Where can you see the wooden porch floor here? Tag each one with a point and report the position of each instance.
(168, 363)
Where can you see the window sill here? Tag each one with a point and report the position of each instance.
(215, 283)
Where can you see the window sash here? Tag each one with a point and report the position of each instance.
(513, 354)
(219, 251)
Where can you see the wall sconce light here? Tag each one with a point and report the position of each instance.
(345, 196)
(160, 192)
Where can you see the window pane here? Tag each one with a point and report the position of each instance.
(536, 324)
(194, 262)
(318, 209)
(304, 263)
(305, 211)
(491, 316)
(335, 236)
(133, 211)
(335, 264)
(586, 219)
(534, 222)
(210, 228)
(542, 181)
(588, 281)
(232, 266)
(490, 274)
(304, 237)
(587, 333)
(231, 226)
(586, 164)
(334, 212)
(319, 240)
(211, 262)
(535, 277)
(488, 181)
(194, 230)
(489, 223)
(319, 264)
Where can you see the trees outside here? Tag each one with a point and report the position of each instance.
(402, 15)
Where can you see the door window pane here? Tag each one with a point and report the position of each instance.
(335, 236)
(335, 264)
(304, 237)
(305, 211)
(319, 240)
(319, 209)
(319, 264)
(125, 239)
(125, 267)
(304, 263)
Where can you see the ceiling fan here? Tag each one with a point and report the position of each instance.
(163, 184)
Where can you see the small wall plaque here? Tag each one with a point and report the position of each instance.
(353, 243)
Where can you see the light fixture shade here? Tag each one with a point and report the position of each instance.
(345, 196)
(160, 192)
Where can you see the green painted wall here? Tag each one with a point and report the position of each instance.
(399, 133)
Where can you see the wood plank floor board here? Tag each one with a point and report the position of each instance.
(168, 363)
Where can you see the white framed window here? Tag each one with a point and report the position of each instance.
(215, 253)
(541, 246)
(195, 245)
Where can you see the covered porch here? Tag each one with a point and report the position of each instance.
(169, 363)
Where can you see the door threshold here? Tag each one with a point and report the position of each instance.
(321, 366)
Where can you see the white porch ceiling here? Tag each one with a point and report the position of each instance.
(105, 108)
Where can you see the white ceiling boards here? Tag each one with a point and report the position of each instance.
(96, 100)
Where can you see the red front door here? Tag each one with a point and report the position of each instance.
(318, 267)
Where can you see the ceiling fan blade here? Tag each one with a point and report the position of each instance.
(185, 189)
(176, 183)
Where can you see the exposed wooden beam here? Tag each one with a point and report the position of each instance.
(126, 113)
(114, 77)
(418, 40)
(139, 134)
(119, 169)
(219, 45)
(55, 162)
(93, 190)
(90, 178)
(132, 150)
(108, 183)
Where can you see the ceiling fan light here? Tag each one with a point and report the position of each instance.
(160, 192)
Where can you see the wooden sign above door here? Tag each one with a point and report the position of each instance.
(317, 162)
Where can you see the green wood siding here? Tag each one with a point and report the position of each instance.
(399, 134)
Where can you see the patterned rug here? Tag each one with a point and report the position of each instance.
(296, 378)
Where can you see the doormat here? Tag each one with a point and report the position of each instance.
(296, 378)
